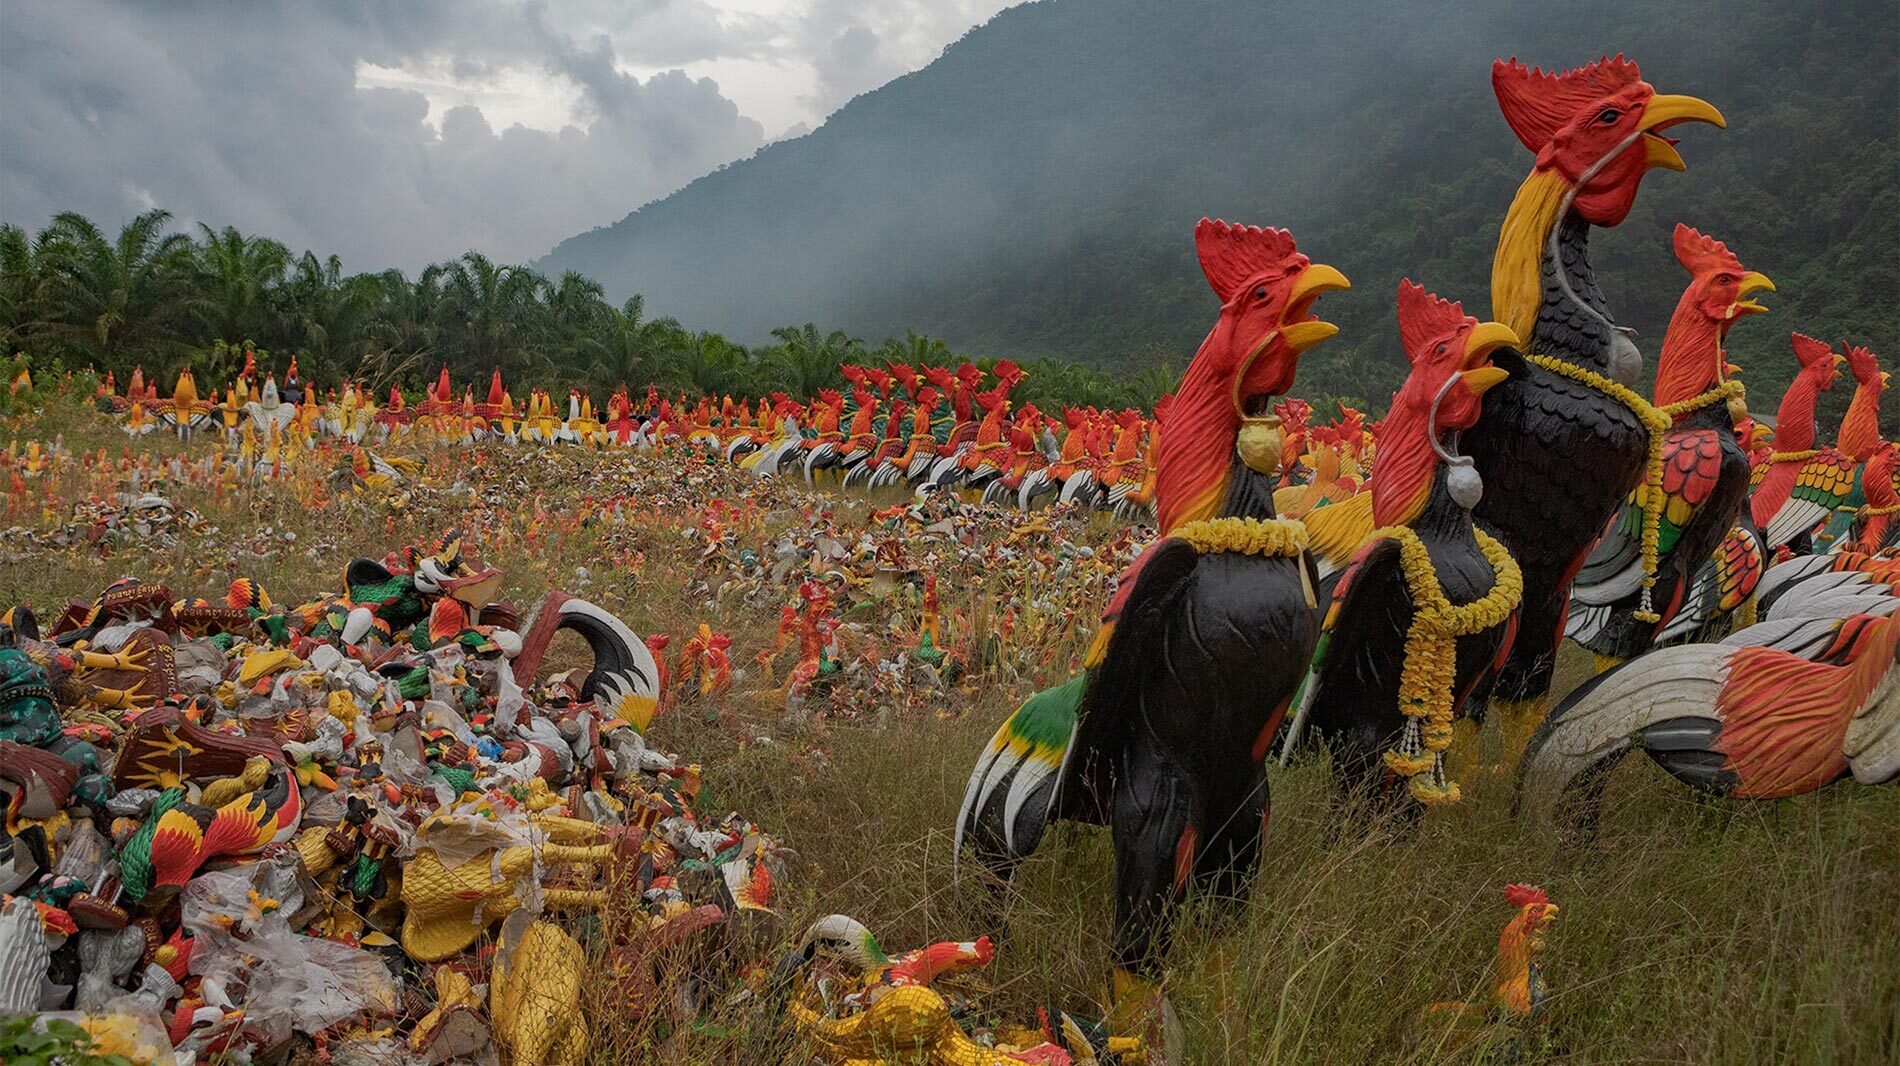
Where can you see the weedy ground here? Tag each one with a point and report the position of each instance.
(1693, 930)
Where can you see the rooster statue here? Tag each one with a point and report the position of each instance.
(1825, 478)
(1777, 709)
(1860, 442)
(1704, 470)
(1725, 584)
(1563, 442)
(1426, 606)
(1162, 737)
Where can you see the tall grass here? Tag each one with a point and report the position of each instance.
(1693, 930)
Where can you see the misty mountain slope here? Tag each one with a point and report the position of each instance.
(1033, 191)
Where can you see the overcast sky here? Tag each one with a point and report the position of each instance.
(402, 132)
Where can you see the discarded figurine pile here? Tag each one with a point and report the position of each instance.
(240, 820)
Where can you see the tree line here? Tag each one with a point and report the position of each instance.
(74, 296)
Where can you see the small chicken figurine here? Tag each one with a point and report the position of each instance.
(1517, 980)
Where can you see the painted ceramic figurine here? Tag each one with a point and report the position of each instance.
(1778, 709)
(1704, 472)
(1567, 409)
(1163, 737)
(1427, 605)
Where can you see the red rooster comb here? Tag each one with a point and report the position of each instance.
(1700, 254)
(1424, 318)
(1232, 254)
(1525, 895)
(1537, 104)
(1810, 351)
(1861, 362)
(1009, 373)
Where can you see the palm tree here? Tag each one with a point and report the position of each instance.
(112, 296)
(804, 361)
(235, 277)
(706, 364)
(487, 314)
(636, 346)
(915, 350)
(26, 280)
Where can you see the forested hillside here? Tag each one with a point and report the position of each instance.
(1032, 192)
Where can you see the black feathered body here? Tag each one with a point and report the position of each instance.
(1557, 457)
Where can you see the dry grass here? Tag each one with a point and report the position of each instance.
(1692, 931)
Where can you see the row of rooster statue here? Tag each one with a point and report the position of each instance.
(931, 428)
(1519, 490)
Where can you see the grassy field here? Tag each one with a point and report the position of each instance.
(1692, 930)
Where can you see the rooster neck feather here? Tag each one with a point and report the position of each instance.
(1196, 442)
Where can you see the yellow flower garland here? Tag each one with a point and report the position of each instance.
(1870, 511)
(1272, 537)
(1431, 655)
(1657, 421)
(1792, 457)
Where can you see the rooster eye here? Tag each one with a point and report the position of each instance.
(1260, 293)
(1723, 279)
(1441, 349)
(1609, 116)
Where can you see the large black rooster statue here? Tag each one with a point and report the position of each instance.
(1424, 610)
(1563, 442)
(1163, 736)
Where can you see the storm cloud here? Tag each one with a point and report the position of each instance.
(311, 123)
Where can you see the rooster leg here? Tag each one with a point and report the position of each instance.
(1224, 862)
(1156, 839)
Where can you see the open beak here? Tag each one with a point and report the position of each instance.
(1839, 362)
(1303, 335)
(1751, 282)
(1663, 111)
(1488, 337)
(1315, 281)
(1483, 378)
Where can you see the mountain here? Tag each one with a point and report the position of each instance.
(1033, 191)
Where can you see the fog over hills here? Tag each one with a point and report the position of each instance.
(1032, 192)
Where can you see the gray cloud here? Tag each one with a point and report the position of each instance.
(251, 114)
(232, 114)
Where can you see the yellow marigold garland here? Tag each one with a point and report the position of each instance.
(1272, 537)
(1870, 511)
(1657, 421)
(1431, 655)
(1793, 457)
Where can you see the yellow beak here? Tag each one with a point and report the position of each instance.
(1751, 282)
(1317, 279)
(1659, 154)
(1303, 335)
(1483, 378)
(1486, 338)
(1664, 111)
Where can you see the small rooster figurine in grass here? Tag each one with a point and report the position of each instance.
(1517, 982)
